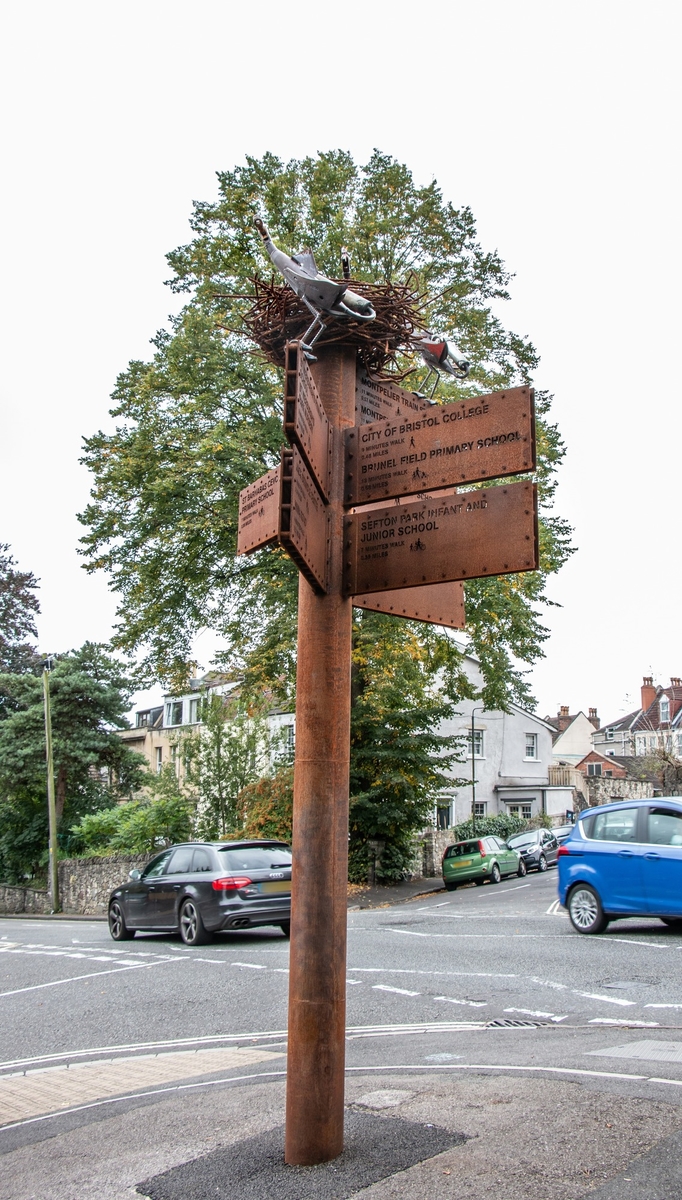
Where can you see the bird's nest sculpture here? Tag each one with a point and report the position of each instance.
(277, 316)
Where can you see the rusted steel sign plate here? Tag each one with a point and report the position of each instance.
(435, 603)
(381, 400)
(487, 532)
(466, 442)
(303, 527)
(259, 513)
(306, 424)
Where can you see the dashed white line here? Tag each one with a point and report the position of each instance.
(384, 987)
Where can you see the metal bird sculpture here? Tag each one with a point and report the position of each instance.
(318, 293)
(438, 357)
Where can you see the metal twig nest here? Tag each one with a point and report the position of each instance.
(277, 316)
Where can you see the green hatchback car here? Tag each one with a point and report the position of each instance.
(475, 861)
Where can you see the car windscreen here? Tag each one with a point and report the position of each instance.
(256, 858)
(463, 849)
(523, 839)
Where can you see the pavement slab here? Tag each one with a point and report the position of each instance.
(375, 1147)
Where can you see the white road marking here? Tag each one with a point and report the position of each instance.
(624, 1021)
(530, 1012)
(469, 1003)
(384, 987)
(253, 966)
(605, 999)
(36, 987)
(662, 1006)
(496, 936)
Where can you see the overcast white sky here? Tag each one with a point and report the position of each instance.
(558, 123)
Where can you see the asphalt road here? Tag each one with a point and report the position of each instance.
(490, 979)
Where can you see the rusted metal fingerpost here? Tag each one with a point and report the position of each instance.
(317, 979)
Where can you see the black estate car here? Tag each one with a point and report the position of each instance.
(538, 847)
(200, 888)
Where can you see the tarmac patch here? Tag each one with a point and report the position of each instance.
(376, 1148)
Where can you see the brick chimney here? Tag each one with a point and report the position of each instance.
(648, 692)
(563, 711)
(593, 717)
(675, 682)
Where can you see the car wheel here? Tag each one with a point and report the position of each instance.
(449, 885)
(523, 869)
(585, 910)
(286, 928)
(192, 929)
(542, 863)
(117, 925)
(495, 874)
(479, 882)
(673, 923)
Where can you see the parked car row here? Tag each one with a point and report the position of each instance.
(492, 858)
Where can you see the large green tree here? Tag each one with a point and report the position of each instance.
(18, 609)
(90, 694)
(202, 419)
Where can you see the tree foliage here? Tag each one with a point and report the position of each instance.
(230, 750)
(139, 826)
(202, 419)
(18, 609)
(90, 694)
(267, 805)
(399, 762)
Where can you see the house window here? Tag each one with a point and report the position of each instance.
(289, 738)
(480, 807)
(175, 758)
(142, 720)
(608, 774)
(610, 734)
(478, 743)
(523, 809)
(594, 768)
(174, 713)
(664, 710)
(531, 745)
(193, 712)
(159, 759)
(444, 816)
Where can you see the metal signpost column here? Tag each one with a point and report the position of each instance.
(349, 504)
(317, 979)
(51, 804)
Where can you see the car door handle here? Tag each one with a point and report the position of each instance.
(176, 887)
(627, 854)
(151, 889)
(652, 854)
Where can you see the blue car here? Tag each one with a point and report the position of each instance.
(623, 860)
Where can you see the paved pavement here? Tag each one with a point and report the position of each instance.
(558, 1057)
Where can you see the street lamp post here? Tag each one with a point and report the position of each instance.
(477, 708)
(51, 804)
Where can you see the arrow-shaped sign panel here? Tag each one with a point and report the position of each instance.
(466, 442)
(259, 513)
(382, 400)
(465, 536)
(306, 424)
(436, 604)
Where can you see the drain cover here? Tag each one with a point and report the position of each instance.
(510, 1023)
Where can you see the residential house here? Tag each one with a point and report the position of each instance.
(572, 735)
(510, 756)
(655, 725)
(156, 732)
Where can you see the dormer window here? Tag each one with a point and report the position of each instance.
(610, 734)
(664, 710)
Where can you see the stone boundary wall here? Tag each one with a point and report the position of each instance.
(84, 886)
(603, 790)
